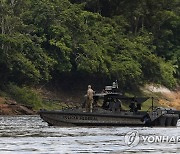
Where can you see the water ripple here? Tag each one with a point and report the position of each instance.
(29, 134)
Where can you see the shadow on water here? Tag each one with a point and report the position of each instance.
(29, 134)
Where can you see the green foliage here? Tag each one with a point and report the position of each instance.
(25, 96)
(167, 74)
(135, 42)
(126, 70)
(22, 58)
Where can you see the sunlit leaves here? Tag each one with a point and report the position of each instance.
(115, 39)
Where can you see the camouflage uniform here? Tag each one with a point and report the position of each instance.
(89, 103)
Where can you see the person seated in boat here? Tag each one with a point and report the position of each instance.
(133, 107)
(106, 103)
(89, 100)
(117, 105)
(111, 104)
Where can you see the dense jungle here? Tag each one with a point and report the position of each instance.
(64, 45)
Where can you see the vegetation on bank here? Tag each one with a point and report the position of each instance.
(68, 43)
(28, 97)
(35, 99)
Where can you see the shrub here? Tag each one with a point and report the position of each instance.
(25, 96)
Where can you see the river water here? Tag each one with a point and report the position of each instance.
(29, 134)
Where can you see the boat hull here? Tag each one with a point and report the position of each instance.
(60, 118)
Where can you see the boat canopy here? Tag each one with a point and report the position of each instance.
(120, 97)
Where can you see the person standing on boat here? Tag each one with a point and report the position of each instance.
(89, 103)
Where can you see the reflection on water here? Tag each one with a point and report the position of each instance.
(29, 134)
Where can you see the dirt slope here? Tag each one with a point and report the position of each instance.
(172, 99)
(10, 107)
(167, 97)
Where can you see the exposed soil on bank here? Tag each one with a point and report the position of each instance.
(166, 97)
(11, 107)
(60, 98)
(172, 99)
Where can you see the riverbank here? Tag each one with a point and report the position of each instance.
(26, 101)
(11, 107)
(172, 99)
(61, 99)
(165, 96)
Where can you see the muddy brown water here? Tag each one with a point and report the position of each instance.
(29, 134)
